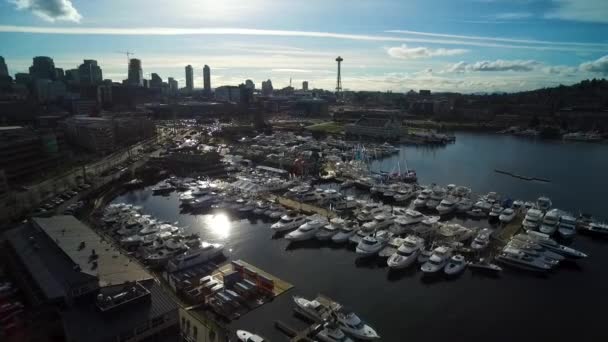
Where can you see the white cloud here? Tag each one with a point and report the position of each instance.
(599, 65)
(406, 52)
(580, 10)
(432, 38)
(50, 10)
(513, 15)
(497, 65)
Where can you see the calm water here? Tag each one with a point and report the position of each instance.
(565, 305)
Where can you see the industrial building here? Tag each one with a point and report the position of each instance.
(59, 262)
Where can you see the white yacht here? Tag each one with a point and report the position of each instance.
(407, 253)
(522, 260)
(482, 240)
(455, 266)
(422, 198)
(464, 205)
(332, 333)
(330, 229)
(477, 213)
(311, 309)
(307, 230)
(495, 212)
(196, 255)
(484, 205)
(447, 205)
(545, 241)
(437, 261)
(346, 231)
(436, 197)
(404, 222)
(507, 215)
(428, 225)
(424, 255)
(289, 221)
(550, 222)
(380, 221)
(246, 336)
(567, 226)
(532, 219)
(354, 326)
(544, 203)
(373, 243)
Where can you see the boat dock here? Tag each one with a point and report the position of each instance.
(515, 175)
(313, 329)
(280, 285)
(305, 207)
(510, 229)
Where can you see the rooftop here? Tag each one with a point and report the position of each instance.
(78, 242)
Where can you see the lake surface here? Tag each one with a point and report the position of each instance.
(565, 305)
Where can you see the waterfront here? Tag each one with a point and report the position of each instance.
(403, 306)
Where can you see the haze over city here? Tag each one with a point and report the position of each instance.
(460, 46)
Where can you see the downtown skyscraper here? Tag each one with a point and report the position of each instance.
(189, 78)
(207, 78)
(136, 74)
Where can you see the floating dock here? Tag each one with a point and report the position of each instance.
(280, 285)
(313, 329)
(515, 175)
(506, 233)
(305, 207)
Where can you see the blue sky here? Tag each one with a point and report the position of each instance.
(443, 45)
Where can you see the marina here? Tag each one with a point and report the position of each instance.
(229, 224)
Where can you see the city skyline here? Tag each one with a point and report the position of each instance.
(504, 46)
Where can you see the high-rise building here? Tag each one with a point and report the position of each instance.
(3, 67)
(207, 78)
(43, 68)
(155, 81)
(250, 85)
(189, 77)
(71, 76)
(173, 85)
(136, 74)
(89, 72)
(59, 74)
(305, 85)
(267, 87)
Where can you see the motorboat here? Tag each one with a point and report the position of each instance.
(330, 229)
(373, 243)
(403, 222)
(358, 236)
(426, 226)
(482, 240)
(308, 229)
(437, 261)
(484, 265)
(382, 220)
(260, 208)
(447, 205)
(162, 188)
(477, 213)
(507, 215)
(313, 309)
(550, 244)
(351, 324)
(407, 253)
(495, 212)
(567, 226)
(196, 255)
(550, 222)
(517, 205)
(246, 336)
(345, 232)
(422, 198)
(544, 203)
(464, 205)
(436, 197)
(289, 221)
(484, 205)
(532, 219)
(331, 333)
(535, 249)
(596, 228)
(523, 261)
(424, 255)
(455, 266)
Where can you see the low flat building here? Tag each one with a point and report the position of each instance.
(59, 262)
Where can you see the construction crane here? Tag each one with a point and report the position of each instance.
(128, 53)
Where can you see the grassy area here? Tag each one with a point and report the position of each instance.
(329, 127)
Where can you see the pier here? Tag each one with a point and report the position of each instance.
(313, 329)
(506, 233)
(305, 207)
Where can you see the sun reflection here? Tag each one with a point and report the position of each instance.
(220, 225)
